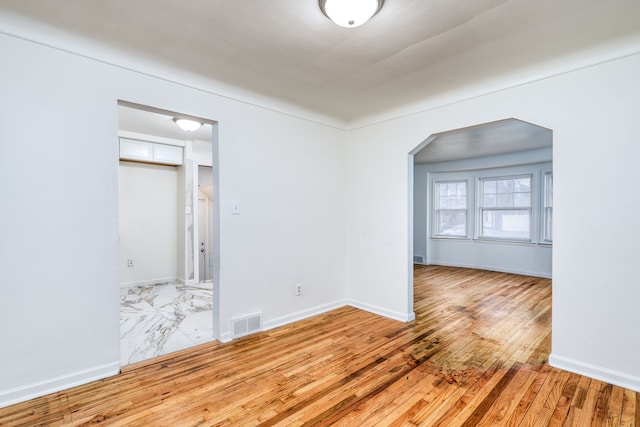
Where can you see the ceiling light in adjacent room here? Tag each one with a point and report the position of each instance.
(350, 13)
(188, 125)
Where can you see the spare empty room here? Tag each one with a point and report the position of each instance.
(316, 166)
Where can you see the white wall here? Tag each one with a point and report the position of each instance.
(202, 152)
(58, 131)
(148, 223)
(593, 114)
(521, 258)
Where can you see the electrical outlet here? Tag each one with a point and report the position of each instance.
(129, 262)
(299, 289)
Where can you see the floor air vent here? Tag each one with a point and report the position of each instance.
(419, 259)
(246, 325)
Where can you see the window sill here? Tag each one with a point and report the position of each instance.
(506, 241)
(493, 241)
(458, 238)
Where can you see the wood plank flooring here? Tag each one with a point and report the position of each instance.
(476, 355)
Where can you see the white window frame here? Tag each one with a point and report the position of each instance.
(547, 207)
(481, 208)
(437, 209)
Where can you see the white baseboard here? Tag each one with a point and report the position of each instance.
(42, 388)
(381, 311)
(492, 268)
(149, 282)
(290, 318)
(303, 314)
(598, 372)
(225, 337)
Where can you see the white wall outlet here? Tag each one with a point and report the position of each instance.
(298, 289)
(129, 262)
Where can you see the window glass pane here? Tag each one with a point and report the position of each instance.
(522, 200)
(548, 207)
(489, 200)
(451, 210)
(522, 185)
(548, 225)
(505, 186)
(548, 189)
(489, 187)
(445, 195)
(444, 203)
(508, 193)
(506, 224)
(452, 223)
(505, 200)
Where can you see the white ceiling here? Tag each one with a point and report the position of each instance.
(501, 137)
(287, 49)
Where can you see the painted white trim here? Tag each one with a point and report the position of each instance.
(63, 382)
(301, 314)
(150, 282)
(290, 318)
(411, 196)
(225, 337)
(491, 268)
(381, 311)
(597, 372)
(321, 309)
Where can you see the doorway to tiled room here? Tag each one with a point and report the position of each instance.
(167, 233)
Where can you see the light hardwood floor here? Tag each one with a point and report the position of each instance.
(476, 355)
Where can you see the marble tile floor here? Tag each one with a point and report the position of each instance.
(163, 318)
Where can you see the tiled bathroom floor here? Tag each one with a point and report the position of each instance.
(162, 318)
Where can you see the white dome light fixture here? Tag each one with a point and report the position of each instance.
(186, 124)
(350, 13)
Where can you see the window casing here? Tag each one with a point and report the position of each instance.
(547, 208)
(504, 208)
(450, 201)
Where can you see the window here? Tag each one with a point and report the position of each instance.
(547, 214)
(451, 208)
(505, 208)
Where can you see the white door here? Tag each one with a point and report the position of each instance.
(203, 239)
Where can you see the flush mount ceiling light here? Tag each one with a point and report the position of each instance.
(186, 124)
(350, 13)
